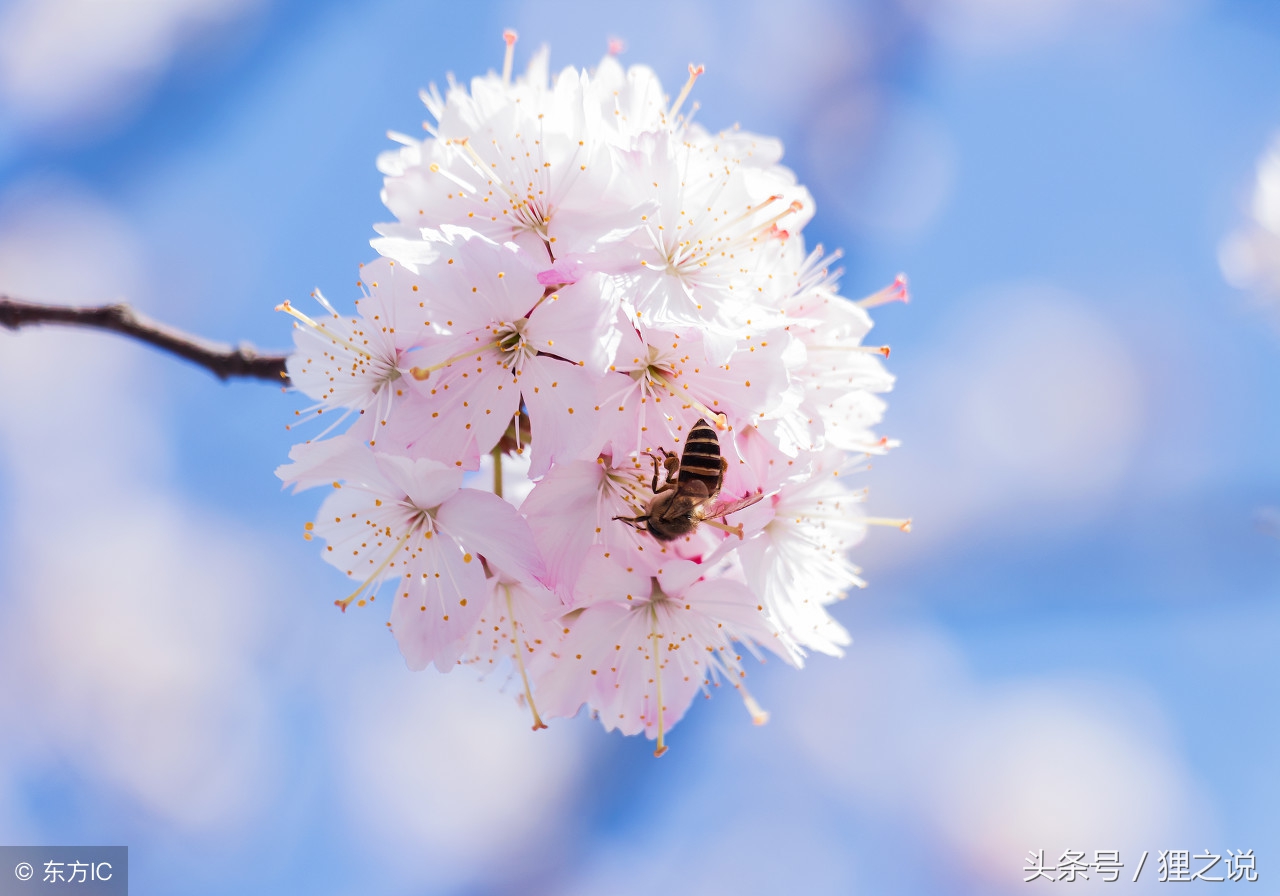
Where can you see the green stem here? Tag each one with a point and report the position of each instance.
(497, 470)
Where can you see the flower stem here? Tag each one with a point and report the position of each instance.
(497, 470)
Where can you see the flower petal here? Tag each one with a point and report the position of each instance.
(491, 527)
(436, 604)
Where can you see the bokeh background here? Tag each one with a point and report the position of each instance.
(1076, 648)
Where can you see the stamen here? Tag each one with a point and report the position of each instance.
(515, 641)
(423, 373)
(462, 184)
(484, 171)
(749, 212)
(510, 336)
(795, 206)
(816, 272)
(758, 714)
(320, 328)
(894, 292)
(715, 233)
(732, 530)
(510, 37)
(720, 420)
(660, 747)
(694, 72)
(324, 303)
(346, 601)
(868, 349)
(903, 524)
(693, 110)
(714, 245)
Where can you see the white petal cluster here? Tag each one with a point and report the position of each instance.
(577, 276)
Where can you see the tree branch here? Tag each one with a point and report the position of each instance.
(222, 360)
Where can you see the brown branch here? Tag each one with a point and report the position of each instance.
(222, 360)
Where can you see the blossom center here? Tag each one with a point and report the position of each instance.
(510, 340)
(655, 373)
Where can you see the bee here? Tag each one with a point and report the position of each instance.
(688, 496)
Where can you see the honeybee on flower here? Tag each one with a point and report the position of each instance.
(612, 307)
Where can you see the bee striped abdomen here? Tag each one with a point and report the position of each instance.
(701, 457)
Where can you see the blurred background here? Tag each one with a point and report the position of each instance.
(1075, 649)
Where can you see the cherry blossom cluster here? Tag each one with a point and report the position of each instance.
(576, 277)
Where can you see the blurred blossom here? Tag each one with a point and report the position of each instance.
(731, 851)
(999, 26)
(1267, 521)
(44, 220)
(1051, 399)
(992, 769)
(813, 47)
(58, 244)
(121, 640)
(899, 766)
(1250, 256)
(883, 165)
(1041, 405)
(78, 64)
(443, 784)
(129, 661)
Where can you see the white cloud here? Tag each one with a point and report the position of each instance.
(1035, 407)
(761, 848)
(1250, 256)
(78, 63)
(887, 168)
(994, 769)
(446, 782)
(1051, 401)
(1002, 26)
(132, 621)
(963, 776)
(130, 656)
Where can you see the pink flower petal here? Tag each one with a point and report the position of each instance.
(563, 272)
(434, 608)
(489, 526)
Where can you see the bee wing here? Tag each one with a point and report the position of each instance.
(717, 509)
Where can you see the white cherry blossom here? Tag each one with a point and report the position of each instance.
(648, 641)
(394, 518)
(584, 298)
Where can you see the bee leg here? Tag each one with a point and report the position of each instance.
(654, 458)
(672, 463)
(633, 521)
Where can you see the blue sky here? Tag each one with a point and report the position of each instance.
(1074, 648)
